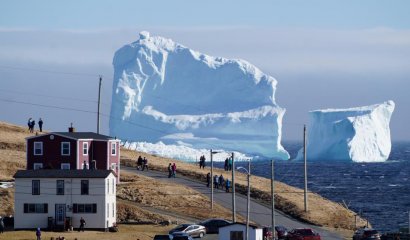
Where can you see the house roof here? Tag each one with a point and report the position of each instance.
(239, 223)
(58, 173)
(78, 135)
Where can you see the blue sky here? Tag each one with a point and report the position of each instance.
(324, 54)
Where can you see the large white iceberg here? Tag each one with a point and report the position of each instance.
(164, 91)
(359, 134)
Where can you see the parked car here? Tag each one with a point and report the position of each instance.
(192, 230)
(303, 234)
(212, 225)
(182, 236)
(281, 232)
(366, 234)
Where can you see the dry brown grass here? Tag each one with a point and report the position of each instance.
(288, 199)
(169, 197)
(142, 232)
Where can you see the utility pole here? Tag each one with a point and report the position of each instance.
(249, 200)
(233, 190)
(273, 200)
(212, 181)
(305, 154)
(99, 103)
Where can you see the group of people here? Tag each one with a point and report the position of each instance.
(142, 163)
(228, 164)
(172, 170)
(31, 123)
(219, 181)
(202, 162)
(82, 225)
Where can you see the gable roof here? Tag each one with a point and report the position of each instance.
(239, 223)
(78, 135)
(59, 173)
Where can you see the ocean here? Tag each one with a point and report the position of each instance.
(380, 192)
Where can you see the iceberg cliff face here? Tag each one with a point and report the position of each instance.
(164, 91)
(359, 134)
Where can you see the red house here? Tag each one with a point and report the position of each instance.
(73, 150)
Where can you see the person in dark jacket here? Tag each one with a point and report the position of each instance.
(221, 181)
(40, 124)
(227, 185)
(145, 162)
(38, 234)
(169, 170)
(226, 164)
(216, 181)
(82, 224)
(208, 179)
(139, 163)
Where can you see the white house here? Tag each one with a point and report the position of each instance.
(237, 231)
(57, 197)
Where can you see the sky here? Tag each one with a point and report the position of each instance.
(324, 54)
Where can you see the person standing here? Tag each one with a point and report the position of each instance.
(203, 162)
(227, 185)
(139, 163)
(216, 181)
(221, 181)
(40, 124)
(145, 164)
(174, 170)
(82, 224)
(29, 124)
(226, 164)
(38, 234)
(230, 164)
(33, 124)
(208, 179)
(169, 170)
(1, 225)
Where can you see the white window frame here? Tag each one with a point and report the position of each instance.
(113, 209)
(41, 148)
(115, 148)
(37, 166)
(62, 149)
(85, 148)
(65, 164)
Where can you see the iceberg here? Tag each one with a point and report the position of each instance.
(359, 134)
(165, 92)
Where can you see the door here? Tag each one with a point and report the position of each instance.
(60, 214)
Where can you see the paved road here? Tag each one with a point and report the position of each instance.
(258, 213)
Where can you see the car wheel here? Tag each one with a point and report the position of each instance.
(201, 234)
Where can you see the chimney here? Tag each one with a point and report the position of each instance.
(71, 129)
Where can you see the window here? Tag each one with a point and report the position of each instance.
(60, 187)
(108, 210)
(84, 208)
(65, 166)
(84, 187)
(65, 148)
(108, 186)
(85, 148)
(113, 210)
(35, 187)
(38, 148)
(236, 235)
(114, 148)
(35, 208)
(37, 166)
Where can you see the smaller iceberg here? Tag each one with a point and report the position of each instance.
(359, 134)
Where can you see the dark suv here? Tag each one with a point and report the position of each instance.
(366, 234)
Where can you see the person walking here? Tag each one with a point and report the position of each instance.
(33, 124)
(169, 170)
(216, 181)
(221, 181)
(145, 166)
(139, 163)
(227, 185)
(40, 124)
(29, 124)
(174, 170)
(82, 224)
(1, 225)
(208, 179)
(226, 164)
(230, 164)
(38, 234)
(203, 162)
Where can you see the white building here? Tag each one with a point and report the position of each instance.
(49, 196)
(237, 231)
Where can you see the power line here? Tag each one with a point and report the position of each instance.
(47, 71)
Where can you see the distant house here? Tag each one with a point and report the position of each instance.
(73, 150)
(57, 199)
(237, 231)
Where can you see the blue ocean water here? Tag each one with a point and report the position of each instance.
(380, 192)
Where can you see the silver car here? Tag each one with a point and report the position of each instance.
(192, 230)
